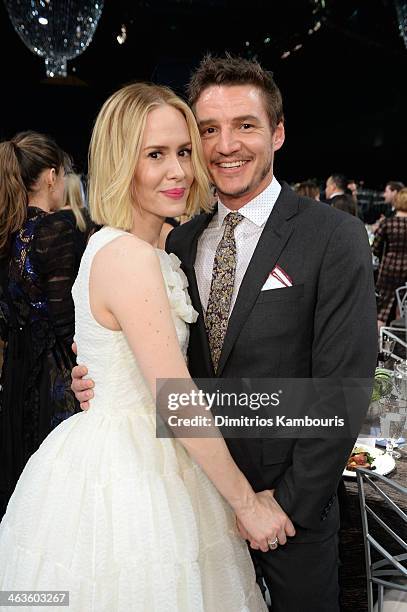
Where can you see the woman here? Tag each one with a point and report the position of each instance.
(75, 213)
(390, 246)
(144, 527)
(38, 271)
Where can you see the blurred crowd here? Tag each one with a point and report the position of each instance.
(384, 214)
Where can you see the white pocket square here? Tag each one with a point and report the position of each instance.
(277, 279)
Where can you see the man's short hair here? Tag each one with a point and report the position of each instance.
(340, 181)
(395, 185)
(231, 70)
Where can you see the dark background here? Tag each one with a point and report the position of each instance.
(344, 90)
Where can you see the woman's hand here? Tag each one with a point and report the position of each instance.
(264, 521)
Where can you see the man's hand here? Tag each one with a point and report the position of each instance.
(81, 387)
(266, 517)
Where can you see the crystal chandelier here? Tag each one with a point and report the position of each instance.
(401, 8)
(57, 30)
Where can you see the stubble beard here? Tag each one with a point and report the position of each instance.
(252, 186)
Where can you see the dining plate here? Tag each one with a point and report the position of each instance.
(383, 463)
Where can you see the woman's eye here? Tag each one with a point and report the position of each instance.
(155, 154)
(185, 152)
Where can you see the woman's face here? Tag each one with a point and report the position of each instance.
(164, 175)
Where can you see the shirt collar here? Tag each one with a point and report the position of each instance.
(257, 210)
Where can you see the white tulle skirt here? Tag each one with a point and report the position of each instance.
(125, 522)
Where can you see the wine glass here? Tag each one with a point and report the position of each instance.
(386, 349)
(400, 379)
(392, 422)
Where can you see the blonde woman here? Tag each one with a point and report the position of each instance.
(123, 520)
(74, 200)
(75, 213)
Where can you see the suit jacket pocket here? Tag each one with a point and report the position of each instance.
(276, 451)
(285, 294)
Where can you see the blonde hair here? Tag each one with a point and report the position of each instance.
(73, 198)
(115, 149)
(400, 201)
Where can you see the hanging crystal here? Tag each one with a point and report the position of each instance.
(57, 30)
(401, 8)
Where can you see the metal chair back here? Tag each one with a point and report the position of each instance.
(401, 296)
(390, 570)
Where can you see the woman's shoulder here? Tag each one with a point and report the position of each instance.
(396, 224)
(120, 259)
(53, 223)
(123, 246)
(53, 235)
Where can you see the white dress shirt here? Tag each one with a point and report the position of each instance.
(247, 234)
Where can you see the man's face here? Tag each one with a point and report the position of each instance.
(389, 195)
(237, 140)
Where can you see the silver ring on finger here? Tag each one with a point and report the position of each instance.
(273, 544)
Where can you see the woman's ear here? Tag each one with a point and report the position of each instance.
(51, 178)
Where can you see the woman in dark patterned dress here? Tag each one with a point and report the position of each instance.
(390, 246)
(38, 268)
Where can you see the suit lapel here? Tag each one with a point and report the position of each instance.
(188, 266)
(273, 239)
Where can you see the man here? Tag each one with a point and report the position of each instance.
(339, 195)
(390, 191)
(294, 300)
(336, 185)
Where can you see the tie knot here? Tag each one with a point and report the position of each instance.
(232, 219)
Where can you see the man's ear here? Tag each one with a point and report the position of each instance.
(278, 136)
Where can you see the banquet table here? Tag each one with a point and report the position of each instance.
(352, 573)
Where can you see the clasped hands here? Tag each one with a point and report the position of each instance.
(264, 522)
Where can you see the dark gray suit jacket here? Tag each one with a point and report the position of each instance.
(323, 326)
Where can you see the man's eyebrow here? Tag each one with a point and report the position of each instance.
(240, 119)
(245, 118)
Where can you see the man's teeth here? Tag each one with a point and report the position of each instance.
(232, 164)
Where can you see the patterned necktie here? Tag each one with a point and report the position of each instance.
(220, 295)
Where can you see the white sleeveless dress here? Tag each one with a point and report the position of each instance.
(122, 520)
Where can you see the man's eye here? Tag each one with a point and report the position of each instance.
(247, 126)
(155, 154)
(209, 130)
